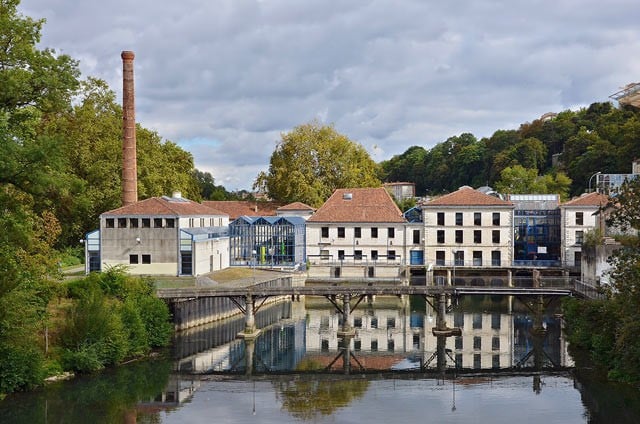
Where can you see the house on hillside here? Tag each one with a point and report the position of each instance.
(358, 233)
(160, 236)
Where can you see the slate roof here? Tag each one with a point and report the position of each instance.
(467, 196)
(359, 205)
(165, 206)
(238, 208)
(591, 199)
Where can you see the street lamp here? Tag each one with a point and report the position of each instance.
(597, 173)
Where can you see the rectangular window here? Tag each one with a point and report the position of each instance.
(495, 361)
(374, 232)
(324, 232)
(477, 218)
(495, 321)
(458, 343)
(477, 361)
(171, 223)
(133, 222)
(109, 222)
(157, 222)
(357, 255)
(477, 321)
(440, 236)
(391, 345)
(579, 218)
(579, 237)
(374, 255)
(122, 222)
(477, 343)
(458, 219)
(133, 259)
(146, 222)
(357, 232)
(416, 236)
(458, 319)
(440, 218)
(340, 232)
(391, 255)
(374, 345)
(495, 236)
(477, 236)
(391, 322)
(495, 343)
(357, 345)
(146, 259)
(357, 322)
(341, 255)
(374, 322)
(477, 258)
(440, 257)
(324, 254)
(458, 257)
(577, 258)
(459, 238)
(496, 218)
(495, 258)
(391, 232)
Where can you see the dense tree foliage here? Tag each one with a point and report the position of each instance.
(609, 328)
(313, 160)
(208, 188)
(564, 149)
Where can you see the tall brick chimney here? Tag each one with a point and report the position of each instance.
(129, 156)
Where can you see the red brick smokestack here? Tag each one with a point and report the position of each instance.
(129, 161)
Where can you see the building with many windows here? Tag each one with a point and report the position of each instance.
(160, 236)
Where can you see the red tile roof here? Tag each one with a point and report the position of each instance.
(296, 206)
(238, 208)
(359, 205)
(466, 196)
(165, 206)
(591, 199)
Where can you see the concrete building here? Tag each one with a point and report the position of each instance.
(358, 233)
(161, 236)
(469, 230)
(578, 217)
(401, 190)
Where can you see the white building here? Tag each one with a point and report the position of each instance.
(160, 236)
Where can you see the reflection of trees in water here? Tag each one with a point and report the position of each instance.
(308, 399)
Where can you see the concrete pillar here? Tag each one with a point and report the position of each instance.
(250, 320)
(509, 278)
(129, 156)
(346, 329)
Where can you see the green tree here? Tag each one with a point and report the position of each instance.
(520, 180)
(313, 160)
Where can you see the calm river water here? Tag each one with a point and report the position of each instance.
(508, 365)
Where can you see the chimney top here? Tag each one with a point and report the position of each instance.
(127, 55)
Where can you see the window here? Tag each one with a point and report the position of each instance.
(146, 222)
(579, 237)
(340, 232)
(459, 236)
(440, 218)
(458, 343)
(324, 232)
(495, 361)
(495, 320)
(357, 345)
(374, 345)
(477, 258)
(357, 255)
(495, 236)
(133, 222)
(391, 232)
(133, 259)
(324, 254)
(374, 232)
(391, 322)
(391, 345)
(458, 218)
(477, 321)
(324, 345)
(391, 255)
(477, 361)
(579, 218)
(374, 255)
(458, 257)
(171, 223)
(477, 343)
(109, 223)
(577, 258)
(440, 236)
(357, 322)
(191, 223)
(416, 236)
(495, 258)
(477, 218)
(146, 259)
(458, 319)
(374, 322)
(341, 255)
(122, 222)
(357, 232)
(439, 257)
(157, 223)
(495, 343)
(477, 236)
(496, 218)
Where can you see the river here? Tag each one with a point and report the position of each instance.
(508, 365)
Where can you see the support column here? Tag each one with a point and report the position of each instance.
(346, 329)
(509, 278)
(250, 331)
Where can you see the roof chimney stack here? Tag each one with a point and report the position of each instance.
(129, 161)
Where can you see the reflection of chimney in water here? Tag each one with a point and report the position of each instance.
(129, 166)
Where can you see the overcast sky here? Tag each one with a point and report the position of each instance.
(224, 78)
